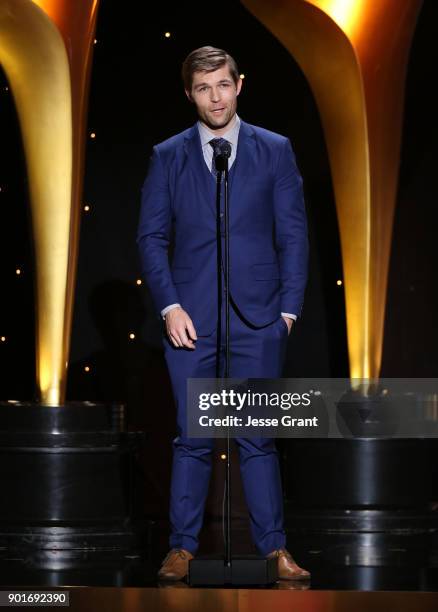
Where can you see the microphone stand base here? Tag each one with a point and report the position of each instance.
(243, 570)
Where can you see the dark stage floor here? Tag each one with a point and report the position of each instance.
(368, 571)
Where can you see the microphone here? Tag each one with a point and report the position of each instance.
(222, 152)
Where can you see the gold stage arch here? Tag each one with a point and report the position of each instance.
(45, 50)
(354, 55)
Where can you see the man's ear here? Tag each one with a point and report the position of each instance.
(239, 86)
(188, 94)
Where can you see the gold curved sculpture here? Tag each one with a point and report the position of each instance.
(354, 55)
(49, 87)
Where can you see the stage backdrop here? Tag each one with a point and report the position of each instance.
(136, 100)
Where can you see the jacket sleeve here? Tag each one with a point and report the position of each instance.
(153, 234)
(290, 231)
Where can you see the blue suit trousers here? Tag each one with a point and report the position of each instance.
(256, 352)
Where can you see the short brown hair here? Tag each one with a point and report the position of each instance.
(207, 59)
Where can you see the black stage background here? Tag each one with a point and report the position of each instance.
(136, 100)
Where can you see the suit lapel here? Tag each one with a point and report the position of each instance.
(244, 166)
(197, 165)
(243, 169)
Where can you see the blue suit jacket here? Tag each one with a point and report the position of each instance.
(268, 228)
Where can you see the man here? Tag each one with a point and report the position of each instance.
(268, 262)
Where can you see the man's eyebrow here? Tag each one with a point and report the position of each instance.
(208, 84)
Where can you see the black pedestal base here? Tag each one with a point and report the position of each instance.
(68, 478)
(131, 536)
(361, 473)
(396, 521)
(244, 570)
(361, 485)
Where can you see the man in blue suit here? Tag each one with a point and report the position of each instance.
(268, 273)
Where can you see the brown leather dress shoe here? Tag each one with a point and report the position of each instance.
(287, 568)
(175, 564)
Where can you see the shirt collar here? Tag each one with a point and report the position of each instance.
(231, 135)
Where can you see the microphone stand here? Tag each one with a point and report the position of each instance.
(222, 167)
(248, 570)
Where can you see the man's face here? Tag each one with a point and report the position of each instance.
(215, 96)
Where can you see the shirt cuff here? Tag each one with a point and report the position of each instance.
(170, 307)
(289, 315)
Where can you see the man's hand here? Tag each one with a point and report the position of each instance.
(180, 328)
(289, 323)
